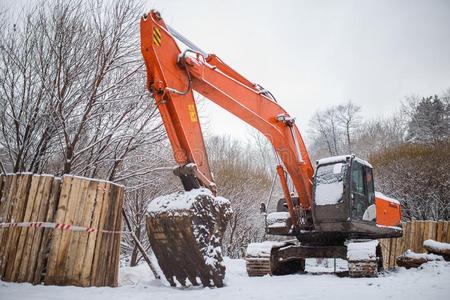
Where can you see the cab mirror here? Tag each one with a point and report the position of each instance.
(262, 208)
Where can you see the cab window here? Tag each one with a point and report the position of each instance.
(370, 186)
(358, 178)
(359, 195)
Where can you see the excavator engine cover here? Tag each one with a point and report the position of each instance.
(185, 230)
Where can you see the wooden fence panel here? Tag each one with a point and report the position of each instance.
(414, 234)
(55, 256)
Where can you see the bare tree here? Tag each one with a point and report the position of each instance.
(72, 85)
(320, 132)
(326, 130)
(246, 184)
(349, 119)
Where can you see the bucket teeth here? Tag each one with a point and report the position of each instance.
(185, 231)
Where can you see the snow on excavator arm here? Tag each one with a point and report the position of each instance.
(173, 75)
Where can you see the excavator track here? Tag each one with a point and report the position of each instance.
(261, 259)
(364, 258)
(258, 260)
(185, 230)
(282, 258)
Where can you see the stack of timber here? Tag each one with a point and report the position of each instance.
(414, 260)
(438, 248)
(55, 256)
(414, 234)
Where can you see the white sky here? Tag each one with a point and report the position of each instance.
(313, 54)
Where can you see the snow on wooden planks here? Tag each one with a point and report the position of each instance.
(55, 256)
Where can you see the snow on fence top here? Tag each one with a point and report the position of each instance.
(175, 203)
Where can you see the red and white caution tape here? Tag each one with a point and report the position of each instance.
(61, 226)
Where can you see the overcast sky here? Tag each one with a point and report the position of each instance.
(314, 54)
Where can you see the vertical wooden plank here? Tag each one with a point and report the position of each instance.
(425, 233)
(425, 230)
(88, 262)
(406, 236)
(2, 183)
(388, 247)
(389, 242)
(418, 236)
(34, 200)
(114, 215)
(41, 204)
(5, 215)
(2, 200)
(402, 241)
(103, 262)
(446, 230)
(23, 237)
(117, 238)
(412, 232)
(434, 226)
(439, 229)
(20, 202)
(50, 277)
(80, 200)
(393, 252)
(429, 231)
(384, 252)
(448, 233)
(83, 240)
(50, 209)
(97, 265)
(398, 249)
(66, 234)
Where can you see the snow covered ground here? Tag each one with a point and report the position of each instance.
(431, 281)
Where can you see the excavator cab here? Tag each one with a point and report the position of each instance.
(344, 201)
(343, 189)
(345, 205)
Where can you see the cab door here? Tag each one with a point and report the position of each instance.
(362, 190)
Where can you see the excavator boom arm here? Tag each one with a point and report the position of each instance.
(173, 75)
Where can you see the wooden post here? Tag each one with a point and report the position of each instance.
(140, 247)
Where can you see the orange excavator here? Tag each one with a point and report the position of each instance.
(332, 210)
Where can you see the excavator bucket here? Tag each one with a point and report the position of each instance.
(185, 230)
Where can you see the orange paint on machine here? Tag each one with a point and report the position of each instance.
(388, 210)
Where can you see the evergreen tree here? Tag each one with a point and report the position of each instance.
(430, 121)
